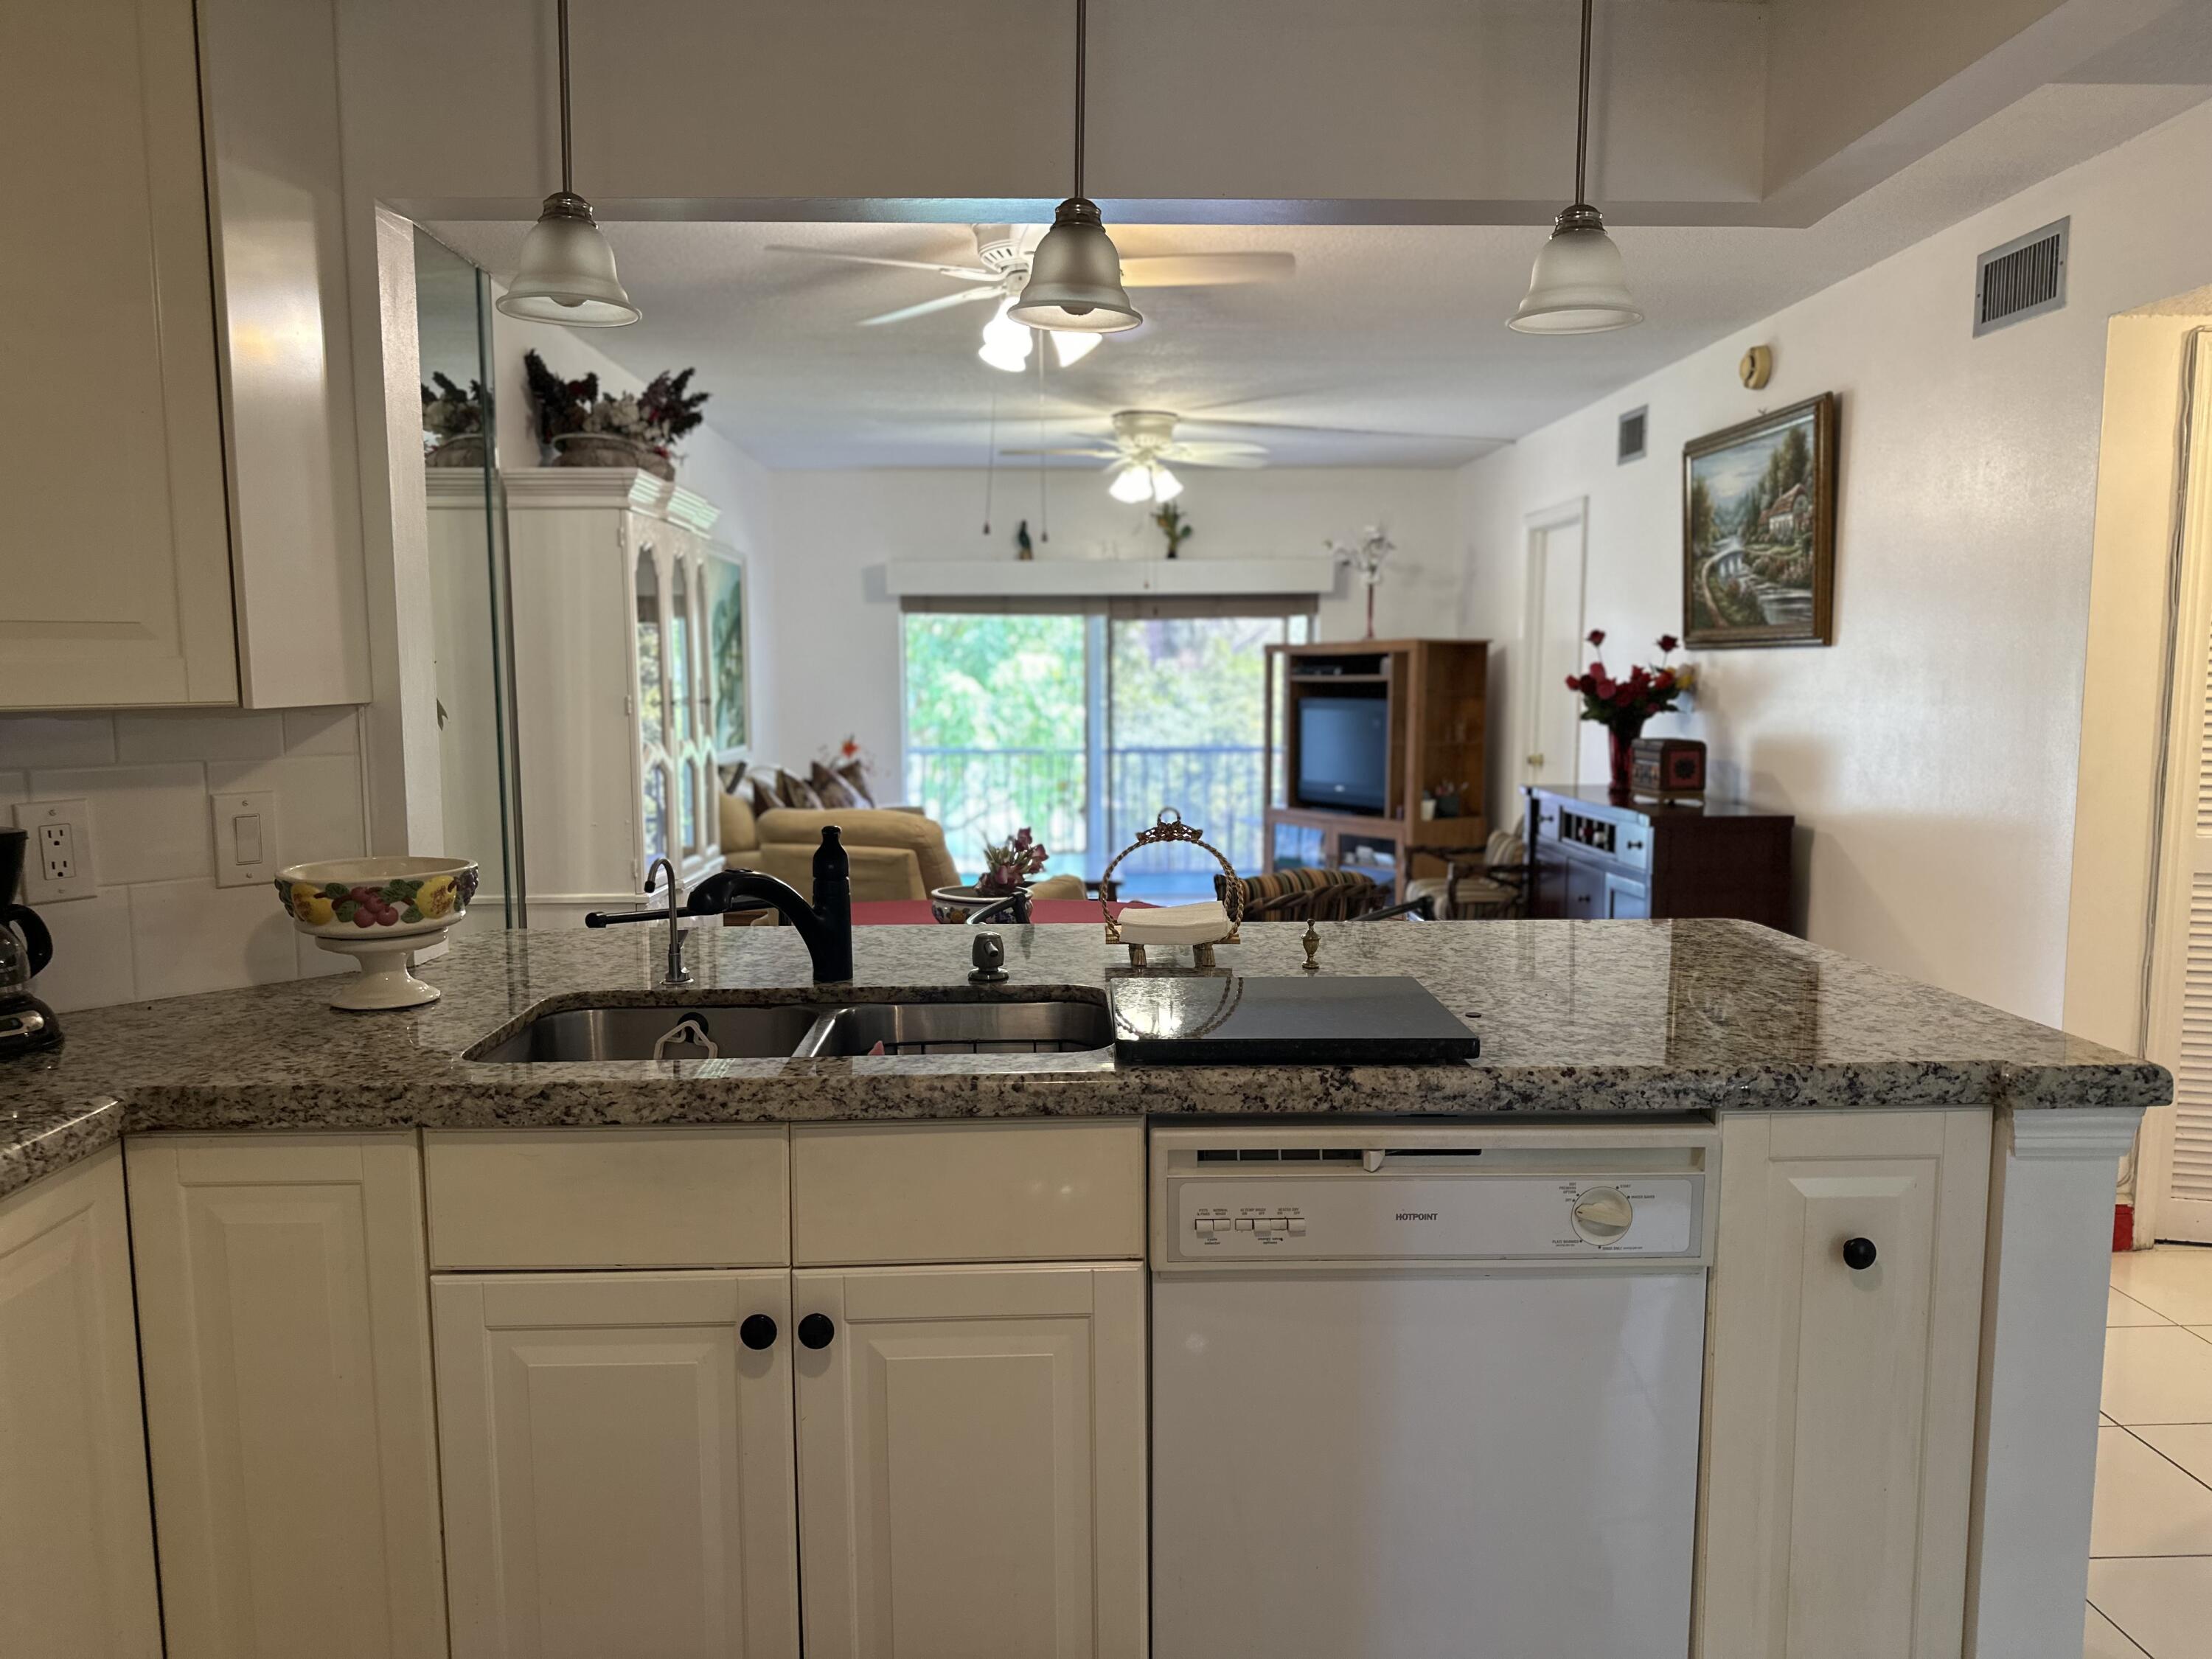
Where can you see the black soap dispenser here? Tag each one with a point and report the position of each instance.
(833, 904)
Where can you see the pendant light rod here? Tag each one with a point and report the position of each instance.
(1582, 106)
(567, 176)
(1082, 37)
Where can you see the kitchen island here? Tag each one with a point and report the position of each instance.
(1923, 1481)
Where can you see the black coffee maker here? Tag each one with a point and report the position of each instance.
(26, 947)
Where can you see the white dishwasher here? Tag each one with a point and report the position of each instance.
(1421, 1391)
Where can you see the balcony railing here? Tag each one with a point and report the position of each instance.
(986, 794)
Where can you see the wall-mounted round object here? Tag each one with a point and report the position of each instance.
(1757, 368)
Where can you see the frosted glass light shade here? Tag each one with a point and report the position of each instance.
(1075, 276)
(1580, 282)
(566, 273)
(1144, 481)
(1005, 343)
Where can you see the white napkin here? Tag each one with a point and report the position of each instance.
(1177, 924)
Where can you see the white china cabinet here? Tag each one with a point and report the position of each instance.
(615, 714)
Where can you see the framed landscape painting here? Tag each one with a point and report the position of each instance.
(726, 652)
(1758, 531)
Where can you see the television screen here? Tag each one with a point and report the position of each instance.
(1344, 753)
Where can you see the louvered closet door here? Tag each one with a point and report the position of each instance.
(2182, 1034)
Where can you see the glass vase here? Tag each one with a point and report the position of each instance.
(1620, 735)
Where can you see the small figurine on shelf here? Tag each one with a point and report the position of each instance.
(1024, 548)
(1172, 525)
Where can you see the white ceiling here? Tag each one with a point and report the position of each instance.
(1387, 349)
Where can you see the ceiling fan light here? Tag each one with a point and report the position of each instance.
(1005, 343)
(1071, 347)
(1165, 485)
(566, 273)
(1075, 276)
(1579, 284)
(1131, 484)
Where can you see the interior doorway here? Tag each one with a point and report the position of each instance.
(1550, 739)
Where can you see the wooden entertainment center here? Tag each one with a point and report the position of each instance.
(1433, 702)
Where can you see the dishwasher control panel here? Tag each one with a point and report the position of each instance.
(1506, 1202)
(1457, 1218)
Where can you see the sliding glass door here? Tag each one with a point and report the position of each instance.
(1082, 723)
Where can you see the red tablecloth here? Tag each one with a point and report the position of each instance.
(895, 913)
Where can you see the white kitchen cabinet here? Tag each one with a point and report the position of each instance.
(618, 1468)
(76, 1536)
(1840, 1398)
(614, 710)
(116, 560)
(971, 1461)
(284, 1330)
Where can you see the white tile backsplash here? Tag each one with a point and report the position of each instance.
(92, 964)
(322, 731)
(149, 823)
(31, 740)
(319, 812)
(189, 936)
(159, 925)
(197, 736)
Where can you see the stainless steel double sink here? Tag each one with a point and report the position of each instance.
(803, 1031)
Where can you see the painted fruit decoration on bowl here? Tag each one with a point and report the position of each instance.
(379, 911)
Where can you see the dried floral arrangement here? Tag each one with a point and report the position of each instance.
(1012, 865)
(655, 417)
(449, 412)
(1171, 524)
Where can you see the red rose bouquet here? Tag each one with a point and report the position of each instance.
(1623, 705)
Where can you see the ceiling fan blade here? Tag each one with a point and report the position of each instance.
(1087, 454)
(1194, 447)
(965, 273)
(1205, 269)
(1218, 455)
(943, 302)
(1337, 431)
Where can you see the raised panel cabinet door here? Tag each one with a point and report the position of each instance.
(971, 1462)
(116, 560)
(1841, 1385)
(617, 1450)
(284, 1326)
(76, 1536)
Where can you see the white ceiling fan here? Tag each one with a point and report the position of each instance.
(1144, 441)
(1002, 268)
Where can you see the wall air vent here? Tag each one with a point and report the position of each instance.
(1631, 435)
(2024, 278)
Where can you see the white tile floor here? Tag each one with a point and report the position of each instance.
(2150, 1544)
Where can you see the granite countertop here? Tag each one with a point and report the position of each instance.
(1574, 1016)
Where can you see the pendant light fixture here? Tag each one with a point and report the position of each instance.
(1075, 275)
(1580, 283)
(568, 271)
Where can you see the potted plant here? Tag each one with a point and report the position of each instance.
(1623, 706)
(587, 428)
(1008, 867)
(1365, 556)
(452, 423)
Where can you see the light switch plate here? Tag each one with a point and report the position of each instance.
(58, 864)
(246, 850)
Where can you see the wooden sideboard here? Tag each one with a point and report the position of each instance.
(1597, 857)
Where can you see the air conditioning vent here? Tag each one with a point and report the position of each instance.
(2024, 278)
(1631, 435)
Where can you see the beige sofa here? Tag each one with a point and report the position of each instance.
(896, 852)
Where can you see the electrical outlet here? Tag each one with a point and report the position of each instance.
(244, 837)
(58, 864)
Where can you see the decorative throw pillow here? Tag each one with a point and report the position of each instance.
(797, 792)
(832, 789)
(854, 776)
(758, 783)
(733, 777)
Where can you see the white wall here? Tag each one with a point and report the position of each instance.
(159, 925)
(1930, 754)
(835, 631)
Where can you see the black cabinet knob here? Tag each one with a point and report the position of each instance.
(1858, 1254)
(816, 1330)
(757, 1331)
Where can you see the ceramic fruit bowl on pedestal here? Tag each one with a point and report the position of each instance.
(379, 911)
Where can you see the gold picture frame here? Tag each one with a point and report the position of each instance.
(1758, 531)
